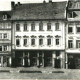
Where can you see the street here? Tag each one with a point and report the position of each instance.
(45, 74)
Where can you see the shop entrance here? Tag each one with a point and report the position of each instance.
(57, 63)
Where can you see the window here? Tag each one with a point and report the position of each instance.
(77, 43)
(17, 27)
(0, 48)
(33, 26)
(5, 48)
(40, 26)
(25, 42)
(5, 36)
(4, 16)
(56, 26)
(48, 26)
(70, 44)
(25, 27)
(32, 41)
(70, 29)
(78, 28)
(17, 42)
(0, 35)
(57, 41)
(48, 41)
(40, 41)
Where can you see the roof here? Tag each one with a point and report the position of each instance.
(53, 10)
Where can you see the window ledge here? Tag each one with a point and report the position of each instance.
(25, 30)
(33, 45)
(57, 30)
(41, 45)
(41, 30)
(33, 30)
(18, 31)
(49, 30)
(26, 45)
(18, 45)
(70, 33)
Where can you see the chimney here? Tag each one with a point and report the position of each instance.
(18, 3)
(50, 1)
(44, 1)
(12, 5)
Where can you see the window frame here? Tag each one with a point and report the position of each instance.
(32, 26)
(69, 32)
(40, 42)
(5, 36)
(2, 48)
(40, 26)
(70, 44)
(18, 42)
(48, 41)
(57, 27)
(5, 48)
(57, 43)
(17, 27)
(33, 42)
(24, 42)
(49, 26)
(25, 27)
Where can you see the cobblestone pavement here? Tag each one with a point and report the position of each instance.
(47, 73)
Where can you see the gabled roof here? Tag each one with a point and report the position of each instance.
(53, 10)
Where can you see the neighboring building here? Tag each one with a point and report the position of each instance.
(73, 35)
(38, 34)
(5, 38)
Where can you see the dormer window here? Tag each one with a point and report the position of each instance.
(4, 16)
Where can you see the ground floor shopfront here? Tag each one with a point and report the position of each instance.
(42, 58)
(73, 60)
(5, 60)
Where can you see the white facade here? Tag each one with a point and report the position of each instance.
(53, 33)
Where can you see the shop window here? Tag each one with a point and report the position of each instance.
(40, 26)
(57, 41)
(49, 26)
(40, 41)
(56, 26)
(77, 43)
(32, 41)
(17, 42)
(33, 26)
(0, 48)
(17, 27)
(25, 27)
(70, 43)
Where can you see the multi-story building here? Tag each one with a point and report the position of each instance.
(73, 35)
(38, 34)
(5, 38)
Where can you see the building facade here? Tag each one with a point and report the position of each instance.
(73, 35)
(5, 39)
(38, 34)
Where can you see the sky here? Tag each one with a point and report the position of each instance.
(6, 4)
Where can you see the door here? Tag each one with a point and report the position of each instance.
(57, 63)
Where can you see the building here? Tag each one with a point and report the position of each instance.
(38, 34)
(73, 35)
(5, 38)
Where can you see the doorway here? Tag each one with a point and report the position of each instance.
(57, 63)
